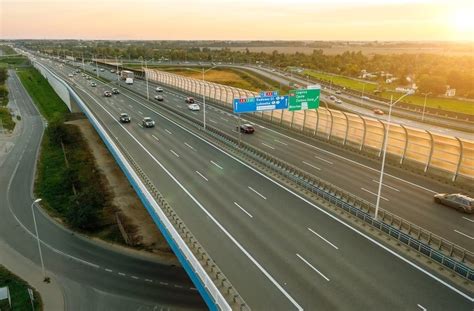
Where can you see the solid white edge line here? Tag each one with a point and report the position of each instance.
(312, 267)
(218, 224)
(434, 277)
(323, 238)
(259, 194)
(243, 210)
(373, 193)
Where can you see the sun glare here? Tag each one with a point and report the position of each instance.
(462, 20)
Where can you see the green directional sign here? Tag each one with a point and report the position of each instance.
(303, 99)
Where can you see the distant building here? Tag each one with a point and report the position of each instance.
(450, 92)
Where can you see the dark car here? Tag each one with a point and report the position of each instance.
(247, 128)
(190, 100)
(124, 118)
(457, 201)
(148, 122)
(115, 91)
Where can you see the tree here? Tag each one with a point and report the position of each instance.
(433, 84)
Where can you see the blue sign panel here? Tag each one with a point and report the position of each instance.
(255, 104)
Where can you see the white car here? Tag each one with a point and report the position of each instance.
(338, 101)
(159, 89)
(70, 75)
(194, 107)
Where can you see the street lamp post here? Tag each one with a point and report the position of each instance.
(424, 106)
(146, 79)
(387, 128)
(38, 239)
(203, 93)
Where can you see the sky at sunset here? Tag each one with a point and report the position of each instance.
(238, 20)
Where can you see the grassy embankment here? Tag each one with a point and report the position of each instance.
(18, 292)
(5, 62)
(68, 181)
(239, 78)
(453, 105)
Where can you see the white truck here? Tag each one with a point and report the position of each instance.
(128, 80)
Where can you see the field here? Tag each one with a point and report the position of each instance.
(18, 292)
(367, 50)
(447, 104)
(231, 77)
(342, 81)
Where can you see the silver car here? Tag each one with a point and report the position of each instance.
(457, 201)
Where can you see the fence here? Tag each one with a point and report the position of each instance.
(432, 152)
(190, 253)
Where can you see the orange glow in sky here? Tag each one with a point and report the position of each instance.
(238, 20)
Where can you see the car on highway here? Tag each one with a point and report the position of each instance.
(332, 97)
(458, 201)
(159, 89)
(101, 69)
(112, 71)
(124, 118)
(88, 78)
(70, 75)
(338, 101)
(247, 128)
(93, 84)
(107, 94)
(189, 100)
(194, 107)
(379, 112)
(148, 122)
(338, 92)
(115, 91)
(159, 98)
(364, 97)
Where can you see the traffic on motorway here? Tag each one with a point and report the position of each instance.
(170, 149)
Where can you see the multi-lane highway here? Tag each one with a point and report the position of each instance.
(94, 276)
(407, 195)
(280, 251)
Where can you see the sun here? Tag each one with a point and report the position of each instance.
(462, 20)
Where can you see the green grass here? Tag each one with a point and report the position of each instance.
(7, 50)
(446, 104)
(48, 102)
(7, 122)
(13, 61)
(18, 292)
(342, 81)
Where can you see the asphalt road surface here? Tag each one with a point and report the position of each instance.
(280, 251)
(407, 195)
(94, 276)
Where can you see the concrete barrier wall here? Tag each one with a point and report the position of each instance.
(450, 157)
(208, 290)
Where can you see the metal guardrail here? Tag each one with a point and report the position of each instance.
(431, 245)
(187, 248)
(443, 156)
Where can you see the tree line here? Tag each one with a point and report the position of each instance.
(432, 73)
